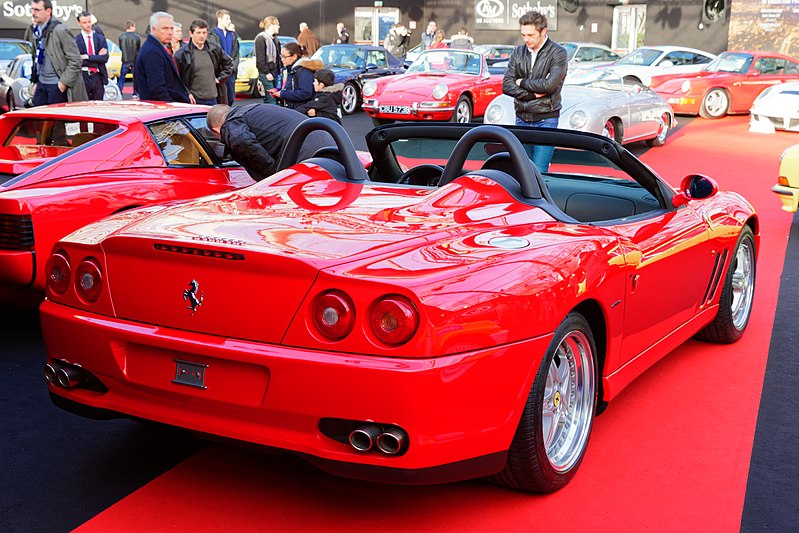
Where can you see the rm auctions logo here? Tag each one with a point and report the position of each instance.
(505, 14)
(489, 9)
(21, 11)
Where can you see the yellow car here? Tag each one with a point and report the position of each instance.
(787, 186)
(114, 60)
(247, 76)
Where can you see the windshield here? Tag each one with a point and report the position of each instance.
(246, 49)
(11, 49)
(340, 56)
(571, 49)
(730, 62)
(448, 61)
(641, 57)
(594, 78)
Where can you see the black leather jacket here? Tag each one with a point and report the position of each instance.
(545, 77)
(223, 64)
(129, 43)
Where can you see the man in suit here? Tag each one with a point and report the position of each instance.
(93, 49)
(157, 76)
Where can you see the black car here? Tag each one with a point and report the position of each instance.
(352, 64)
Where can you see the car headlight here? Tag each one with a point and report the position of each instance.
(369, 88)
(686, 86)
(25, 92)
(578, 120)
(494, 114)
(440, 91)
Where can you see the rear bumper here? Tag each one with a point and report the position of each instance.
(17, 268)
(460, 412)
(416, 113)
(788, 196)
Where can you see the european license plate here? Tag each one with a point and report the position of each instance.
(396, 109)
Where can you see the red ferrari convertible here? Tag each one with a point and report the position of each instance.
(442, 84)
(727, 85)
(64, 166)
(449, 313)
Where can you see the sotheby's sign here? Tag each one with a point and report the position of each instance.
(505, 14)
(17, 13)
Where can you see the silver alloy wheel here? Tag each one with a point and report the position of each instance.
(716, 103)
(743, 284)
(567, 411)
(349, 98)
(663, 129)
(609, 130)
(463, 111)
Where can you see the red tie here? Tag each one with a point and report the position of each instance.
(90, 48)
(171, 55)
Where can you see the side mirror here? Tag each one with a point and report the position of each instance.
(666, 64)
(695, 187)
(371, 66)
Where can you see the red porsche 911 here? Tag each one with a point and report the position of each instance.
(448, 313)
(64, 166)
(442, 84)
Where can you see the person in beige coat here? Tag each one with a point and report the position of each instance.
(57, 63)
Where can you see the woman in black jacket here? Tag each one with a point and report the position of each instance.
(298, 75)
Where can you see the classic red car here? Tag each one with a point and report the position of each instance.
(441, 84)
(727, 85)
(409, 323)
(64, 166)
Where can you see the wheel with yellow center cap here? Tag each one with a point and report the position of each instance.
(553, 432)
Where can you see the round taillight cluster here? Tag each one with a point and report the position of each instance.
(58, 272)
(88, 280)
(334, 314)
(394, 320)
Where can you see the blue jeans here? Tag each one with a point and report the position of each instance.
(123, 71)
(540, 155)
(231, 88)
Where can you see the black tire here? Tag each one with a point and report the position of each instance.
(663, 132)
(571, 403)
(737, 294)
(350, 98)
(715, 104)
(463, 111)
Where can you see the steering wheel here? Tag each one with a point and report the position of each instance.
(349, 159)
(425, 174)
(524, 171)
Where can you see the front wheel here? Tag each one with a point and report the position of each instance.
(737, 295)
(663, 131)
(715, 104)
(463, 111)
(610, 131)
(553, 432)
(349, 98)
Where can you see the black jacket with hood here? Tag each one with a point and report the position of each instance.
(545, 77)
(326, 103)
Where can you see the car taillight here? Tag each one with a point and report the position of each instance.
(334, 314)
(88, 280)
(58, 272)
(394, 320)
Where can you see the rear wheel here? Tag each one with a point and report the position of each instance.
(463, 111)
(663, 132)
(737, 295)
(349, 98)
(553, 432)
(715, 104)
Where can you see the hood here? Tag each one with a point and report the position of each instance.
(412, 86)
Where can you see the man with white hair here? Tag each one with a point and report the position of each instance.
(157, 77)
(307, 39)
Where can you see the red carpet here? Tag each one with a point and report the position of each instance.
(670, 454)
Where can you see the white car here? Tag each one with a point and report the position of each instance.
(602, 102)
(585, 55)
(777, 108)
(643, 63)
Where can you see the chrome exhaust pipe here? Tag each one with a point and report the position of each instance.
(391, 442)
(51, 372)
(363, 438)
(70, 376)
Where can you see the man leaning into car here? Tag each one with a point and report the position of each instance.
(534, 78)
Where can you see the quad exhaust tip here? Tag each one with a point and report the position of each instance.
(388, 440)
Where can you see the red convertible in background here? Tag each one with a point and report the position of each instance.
(443, 84)
(727, 85)
(64, 166)
(408, 323)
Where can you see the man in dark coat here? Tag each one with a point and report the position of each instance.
(203, 66)
(255, 135)
(157, 76)
(93, 49)
(130, 44)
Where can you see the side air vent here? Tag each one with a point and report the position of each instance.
(715, 277)
(5, 176)
(16, 232)
(201, 252)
